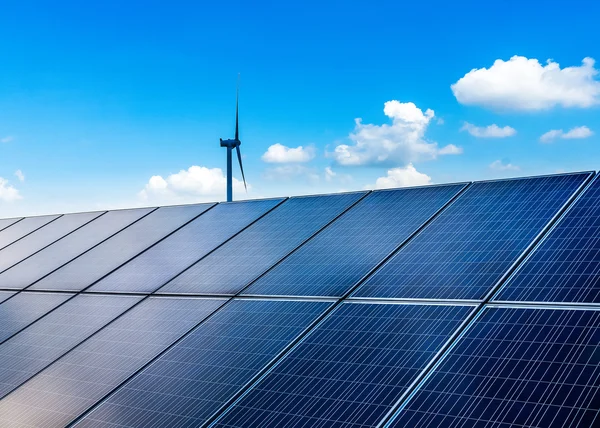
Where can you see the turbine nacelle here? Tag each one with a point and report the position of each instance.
(233, 143)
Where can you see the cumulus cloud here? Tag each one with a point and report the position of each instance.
(502, 165)
(19, 174)
(7, 192)
(525, 84)
(329, 173)
(401, 142)
(491, 131)
(195, 184)
(578, 132)
(7, 139)
(402, 177)
(278, 153)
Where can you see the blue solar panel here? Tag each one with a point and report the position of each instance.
(67, 248)
(239, 261)
(155, 267)
(5, 295)
(515, 368)
(6, 222)
(351, 369)
(43, 237)
(23, 228)
(72, 384)
(337, 258)
(22, 309)
(565, 267)
(112, 253)
(28, 352)
(187, 384)
(467, 249)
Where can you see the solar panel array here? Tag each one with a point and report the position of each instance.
(471, 304)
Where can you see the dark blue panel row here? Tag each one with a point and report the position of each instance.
(465, 251)
(23, 228)
(337, 258)
(159, 264)
(75, 382)
(190, 382)
(515, 368)
(239, 261)
(566, 266)
(112, 253)
(351, 369)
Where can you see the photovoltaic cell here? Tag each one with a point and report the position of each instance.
(22, 309)
(162, 262)
(5, 222)
(472, 243)
(231, 267)
(43, 237)
(69, 386)
(191, 381)
(67, 248)
(112, 253)
(338, 257)
(22, 228)
(351, 369)
(565, 266)
(515, 368)
(28, 352)
(5, 295)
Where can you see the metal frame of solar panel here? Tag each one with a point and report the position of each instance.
(359, 359)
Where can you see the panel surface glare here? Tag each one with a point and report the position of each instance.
(515, 368)
(72, 384)
(468, 247)
(28, 352)
(112, 253)
(351, 369)
(155, 267)
(239, 261)
(67, 248)
(24, 308)
(339, 256)
(43, 237)
(187, 384)
(565, 267)
(5, 222)
(22, 228)
(5, 295)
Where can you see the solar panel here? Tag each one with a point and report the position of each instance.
(155, 267)
(467, 249)
(231, 267)
(5, 295)
(22, 309)
(351, 369)
(69, 386)
(187, 384)
(564, 267)
(112, 253)
(43, 237)
(28, 352)
(5, 222)
(67, 248)
(337, 258)
(22, 228)
(515, 367)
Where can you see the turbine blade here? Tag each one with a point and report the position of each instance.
(239, 154)
(237, 97)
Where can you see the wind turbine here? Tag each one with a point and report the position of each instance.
(231, 144)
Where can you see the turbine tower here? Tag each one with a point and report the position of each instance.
(231, 144)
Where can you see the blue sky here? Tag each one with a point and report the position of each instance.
(106, 105)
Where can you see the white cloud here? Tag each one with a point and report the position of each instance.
(278, 153)
(501, 165)
(525, 84)
(7, 139)
(329, 173)
(450, 149)
(401, 142)
(195, 184)
(491, 131)
(19, 174)
(578, 132)
(7, 192)
(402, 177)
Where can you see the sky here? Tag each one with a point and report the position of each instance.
(116, 104)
